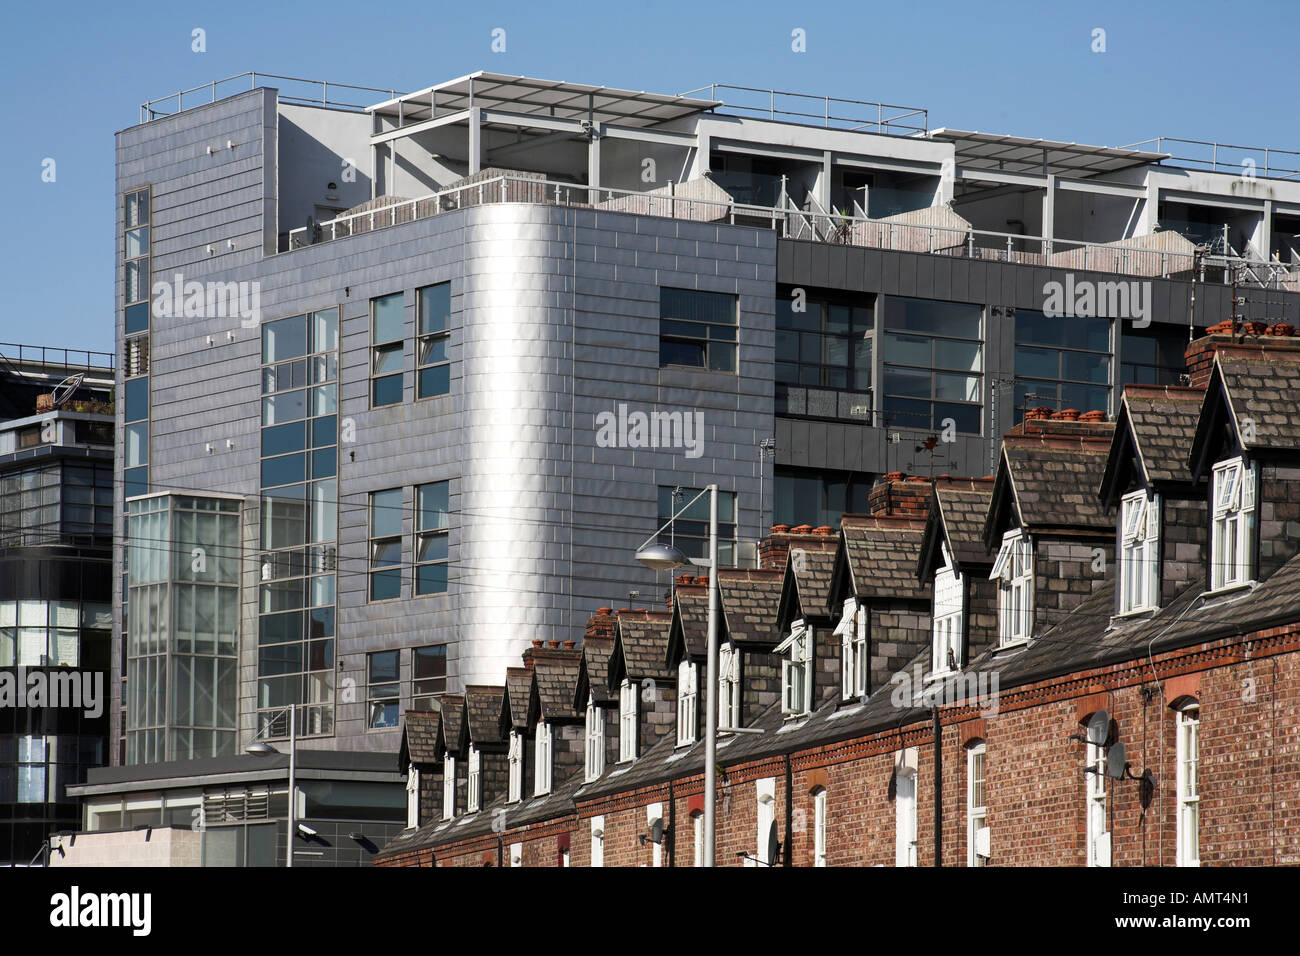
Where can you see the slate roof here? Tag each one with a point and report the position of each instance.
(806, 580)
(555, 676)
(750, 599)
(1154, 429)
(593, 672)
(1262, 388)
(514, 703)
(641, 646)
(958, 509)
(483, 713)
(882, 553)
(453, 722)
(691, 619)
(419, 739)
(1051, 482)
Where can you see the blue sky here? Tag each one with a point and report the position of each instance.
(75, 74)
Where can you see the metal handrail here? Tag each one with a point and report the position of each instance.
(882, 122)
(1215, 164)
(795, 223)
(36, 354)
(147, 112)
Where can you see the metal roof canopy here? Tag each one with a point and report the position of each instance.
(536, 97)
(1018, 154)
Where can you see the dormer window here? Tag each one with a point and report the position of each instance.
(1139, 563)
(796, 670)
(474, 781)
(688, 674)
(949, 624)
(852, 631)
(1014, 571)
(1231, 534)
(542, 756)
(626, 721)
(448, 787)
(595, 739)
(728, 686)
(515, 763)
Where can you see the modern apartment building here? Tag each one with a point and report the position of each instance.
(409, 379)
(56, 521)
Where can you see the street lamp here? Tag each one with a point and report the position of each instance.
(663, 557)
(260, 748)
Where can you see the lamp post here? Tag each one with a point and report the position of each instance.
(663, 557)
(260, 748)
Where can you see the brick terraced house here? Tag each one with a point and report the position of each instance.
(941, 665)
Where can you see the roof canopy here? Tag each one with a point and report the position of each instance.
(1018, 154)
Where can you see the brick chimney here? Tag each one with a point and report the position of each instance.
(600, 624)
(1253, 338)
(900, 496)
(774, 549)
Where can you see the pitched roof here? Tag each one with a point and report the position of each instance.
(1048, 482)
(750, 599)
(419, 739)
(641, 646)
(593, 672)
(881, 554)
(453, 722)
(555, 676)
(514, 703)
(958, 508)
(806, 580)
(690, 623)
(483, 713)
(1154, 429)
(1262, 391)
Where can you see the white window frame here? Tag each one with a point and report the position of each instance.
(598, 841)
(627, 725)
(516, 854)
(474, 781)
(655, 811)
(819, 827)
(1096, 829)
(542, 745)
(1014, 571)
(697, 820)
(412, 796)
(977, 814)
(796, 670)
(729, 692)
(1139, 562)
(1232, 508)
(852, 631)
(948, 615)
(448, 786)
(905, 847)
(515, 765)
(765, 804)
(688, 688)
(594, 739)
(1187, 729)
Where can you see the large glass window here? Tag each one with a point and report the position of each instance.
(428, 675)
(825, 345)
(433, 369)
(1153, 356)
(690, 532)
(934, 360)
(386, 544)
(1062, 363)
(818, 497)
(431, 508)
(387, 341)
(698, 329)
(382, 695)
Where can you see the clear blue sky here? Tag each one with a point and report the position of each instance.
(73, 74)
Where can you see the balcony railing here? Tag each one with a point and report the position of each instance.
(829, 112)
(814, 225)
(79, 359)
(298, 90)
(1226, 157)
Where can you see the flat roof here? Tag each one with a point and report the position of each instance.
(537, 97)
(1019, 154)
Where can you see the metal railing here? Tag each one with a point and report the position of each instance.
(57, 357)
(814, 224)
(149, 112)
(1226, 157)
(890, 119)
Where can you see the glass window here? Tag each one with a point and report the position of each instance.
(824, 344)
(933, 364)
(387, 359)
(818, 497)
(1188, 729)
(1232, 500)
(428, 675)
(432, 506)
(385, 544)
(697, 329)
(1153, 356)
(433, 373)
(284, 339)
(690, 532)
(1061, 363)
(383, 682)
(977, 824)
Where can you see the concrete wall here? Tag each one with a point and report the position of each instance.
(164, 846)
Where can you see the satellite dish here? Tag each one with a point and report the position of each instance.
(1116, 761)
(63, 391)
(1099, 729)
(773, 847)
(657, 830)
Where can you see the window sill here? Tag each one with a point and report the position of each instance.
(1013, 645)
(1227, 589)
(947, 672)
